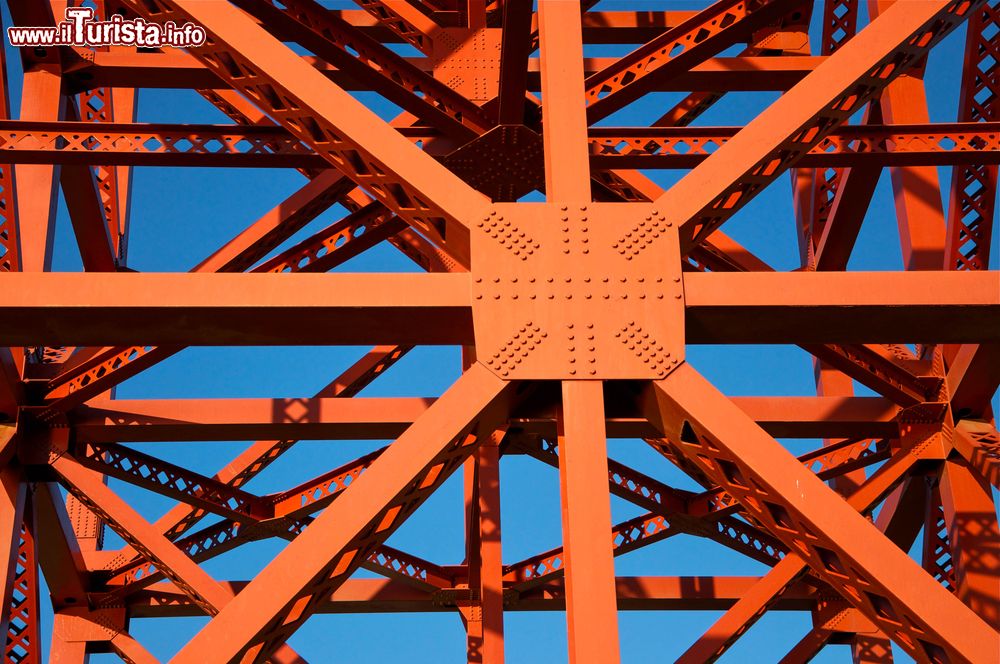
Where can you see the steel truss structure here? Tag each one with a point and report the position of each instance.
(574, 314)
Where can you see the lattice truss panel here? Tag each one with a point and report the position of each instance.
(573, 282)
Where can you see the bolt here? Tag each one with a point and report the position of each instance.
(678, 296)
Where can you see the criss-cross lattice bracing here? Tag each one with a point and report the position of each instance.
(527, 198)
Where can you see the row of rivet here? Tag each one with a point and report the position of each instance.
(525, 340)
(508, 235)
(642, 235)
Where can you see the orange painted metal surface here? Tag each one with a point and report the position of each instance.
(574, 315)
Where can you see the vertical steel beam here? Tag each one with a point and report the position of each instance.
(972, 201)
(484, 617)
(37, 184)
(591, 603)
(12, 499)
(564, 117)
(515, 48)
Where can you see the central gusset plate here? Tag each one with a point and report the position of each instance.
(584, 291)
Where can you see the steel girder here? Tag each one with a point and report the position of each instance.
(574, 315)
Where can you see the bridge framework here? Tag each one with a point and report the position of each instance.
(573, 309)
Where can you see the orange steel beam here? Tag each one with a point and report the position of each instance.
(800, 119)
(255, 623)
(710, 593)
(434, 308)
(586, 517)
(179, 70)
(421, 191)
(380, 418)
(867, 146)
(881, 580)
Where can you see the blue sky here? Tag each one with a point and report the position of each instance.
(180, 216)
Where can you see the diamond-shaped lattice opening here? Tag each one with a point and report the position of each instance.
(152, 144)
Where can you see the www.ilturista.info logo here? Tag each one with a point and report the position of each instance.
(80, 29)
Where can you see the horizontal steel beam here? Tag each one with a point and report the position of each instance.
(847, 307)
(178, 70)
(158, 420)
(354, 309)
(143, 144)
(693, 593)
(877, 145)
